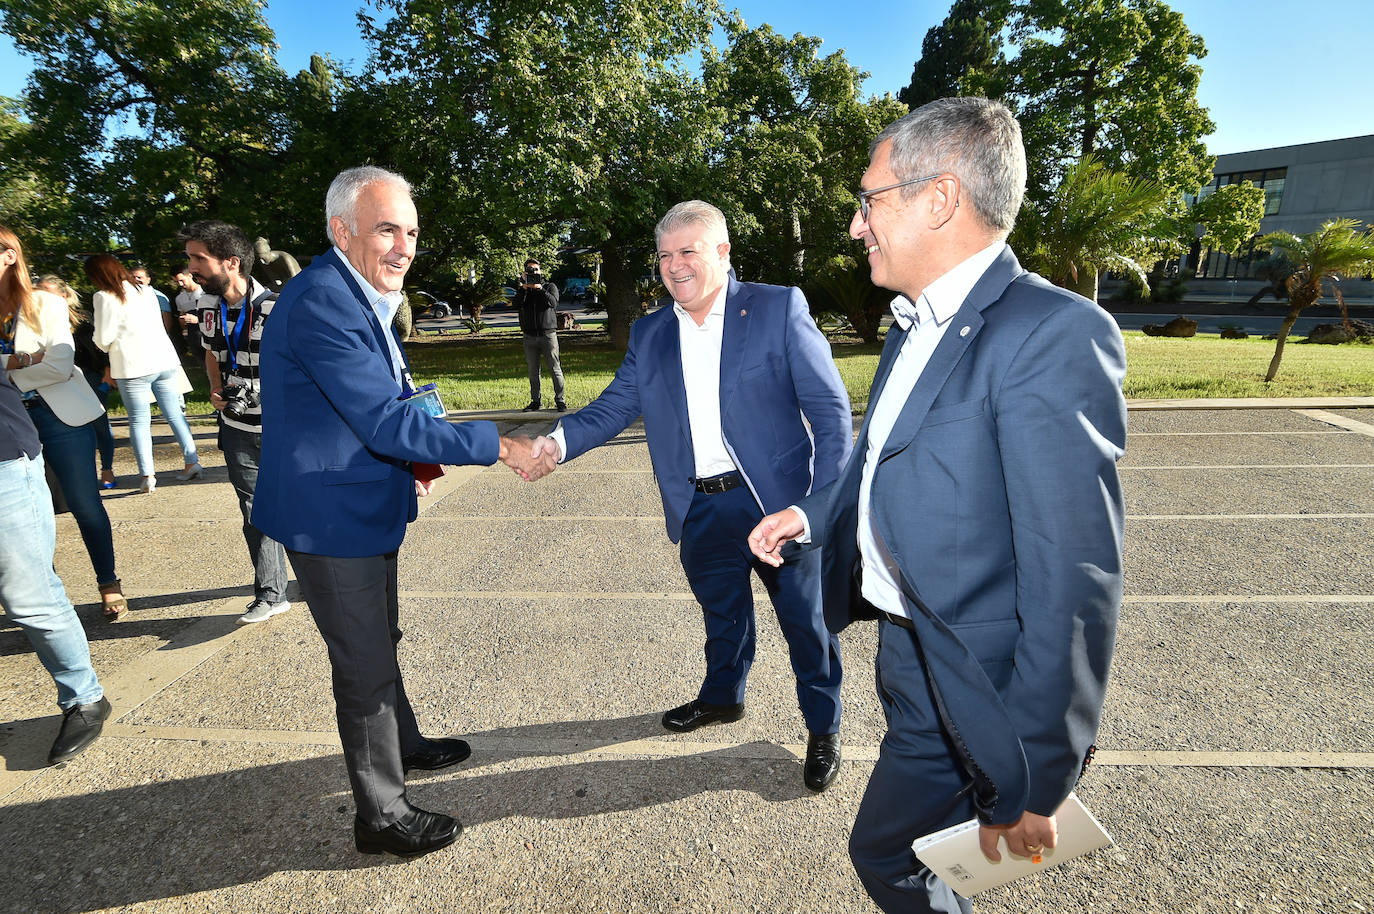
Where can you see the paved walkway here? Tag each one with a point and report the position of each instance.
(551, 624)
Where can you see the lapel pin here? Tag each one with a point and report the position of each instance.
(964, 332)
(743, 311)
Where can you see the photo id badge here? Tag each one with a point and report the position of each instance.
(427, 398)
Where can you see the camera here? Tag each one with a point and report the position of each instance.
(238, 398)
(533, 278)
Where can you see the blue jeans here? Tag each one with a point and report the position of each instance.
(32, 593)
(135, 394)
(70, 451)
(242, 451)
(104, 435)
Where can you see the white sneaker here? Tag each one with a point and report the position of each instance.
(261, 611)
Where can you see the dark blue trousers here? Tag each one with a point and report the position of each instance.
(715, 554)
(917, 787)
(70, 451)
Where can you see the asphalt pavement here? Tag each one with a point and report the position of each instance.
(551, 624)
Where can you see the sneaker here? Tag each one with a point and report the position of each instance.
(531, 406)
(261, 611)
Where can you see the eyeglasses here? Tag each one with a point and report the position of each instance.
(866, 195)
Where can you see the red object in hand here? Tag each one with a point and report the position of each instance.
(427, 472)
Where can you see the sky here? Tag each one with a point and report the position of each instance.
(1269, 78)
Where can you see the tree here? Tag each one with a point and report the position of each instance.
(1337, 249)
(1230, 217)
(961, 55)
(1097, 219)
(794, 141)
(530, 119)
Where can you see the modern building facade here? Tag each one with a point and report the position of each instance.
(1304, 186)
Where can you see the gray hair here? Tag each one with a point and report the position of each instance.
(974, 139)
(693, 212)
(344, 190)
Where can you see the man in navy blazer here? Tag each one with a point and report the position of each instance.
(337, 487)
(723, 380)
(981, 516)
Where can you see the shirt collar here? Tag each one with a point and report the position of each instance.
(943, 297)
(717, 306)
(392, 299)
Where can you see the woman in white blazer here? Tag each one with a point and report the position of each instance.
(40, 360)
(128, 325)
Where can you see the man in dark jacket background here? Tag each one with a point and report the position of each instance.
(537, 302)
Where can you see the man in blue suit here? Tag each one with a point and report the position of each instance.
(723, 380)
(338, 484)
(981, 517)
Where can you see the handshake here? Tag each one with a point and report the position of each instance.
(530, 460)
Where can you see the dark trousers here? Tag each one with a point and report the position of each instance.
(543, 345)
(70, 452)
(715, 554)
(354, 604)
(242, 451)
(917, 787)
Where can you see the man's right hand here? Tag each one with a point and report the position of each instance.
(766, 540)
(189, 318)
(519, 454)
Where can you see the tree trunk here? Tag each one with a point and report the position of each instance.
(1286, 326)
(799, 255)
(1085, 285)
(622, 301)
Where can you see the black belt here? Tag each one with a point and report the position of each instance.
(715, 485)
(899, 621)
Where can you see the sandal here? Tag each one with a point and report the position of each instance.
(114, 608)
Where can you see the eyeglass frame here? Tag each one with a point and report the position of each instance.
(865, 195)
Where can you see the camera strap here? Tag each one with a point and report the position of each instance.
(232, 337)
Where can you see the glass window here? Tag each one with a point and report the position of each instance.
(1274, 180)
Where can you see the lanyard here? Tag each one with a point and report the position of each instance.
(233, 338)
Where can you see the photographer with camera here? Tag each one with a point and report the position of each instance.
(234, 308)
(537, 303)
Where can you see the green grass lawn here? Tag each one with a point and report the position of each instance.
(486, 371)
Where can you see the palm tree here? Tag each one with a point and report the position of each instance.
(1098, 219)
(1335, 250)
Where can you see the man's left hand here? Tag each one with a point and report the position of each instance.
(423, 488)
(1026, 837)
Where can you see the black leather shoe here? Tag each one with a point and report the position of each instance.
(698, 713)
(436, 754)
(81, 724)
(531, 406)
(415, 833)
(822, 761)
(560, 406)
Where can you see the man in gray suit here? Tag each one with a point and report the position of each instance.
(980, 518)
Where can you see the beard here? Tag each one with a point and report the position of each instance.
(215, 285)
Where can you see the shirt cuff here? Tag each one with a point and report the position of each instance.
(557, 437)
(806, 525)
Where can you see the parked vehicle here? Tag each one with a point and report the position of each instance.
(430, 306)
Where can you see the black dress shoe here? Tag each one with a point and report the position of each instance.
(415, 833)
(436, 754)
(531, 406)
(81, 724)
(560, 405)
(822, 761)
(696, 713)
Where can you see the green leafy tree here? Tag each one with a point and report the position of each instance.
(1097, 219)
(535, 118)
(794, 141)
(1229, 218)
(960, 56)
(1319, 259)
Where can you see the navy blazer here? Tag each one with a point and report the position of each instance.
(335, 476)
(997, 494)
(775, 368)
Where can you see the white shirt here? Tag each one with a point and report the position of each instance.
(384, 305)
(932, 314)
(700, 347)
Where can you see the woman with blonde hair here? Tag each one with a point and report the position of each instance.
(93, 364)
(128, 325)
(40, 360)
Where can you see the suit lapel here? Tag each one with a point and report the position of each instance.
(352, 283)
(667, 351)
(963, 329)
(734, 341)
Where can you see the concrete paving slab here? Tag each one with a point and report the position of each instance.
(1247, 450)
(1248, 677)
(570, 490)
(1219, 420)
(1249, 556)
(1253, 491)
